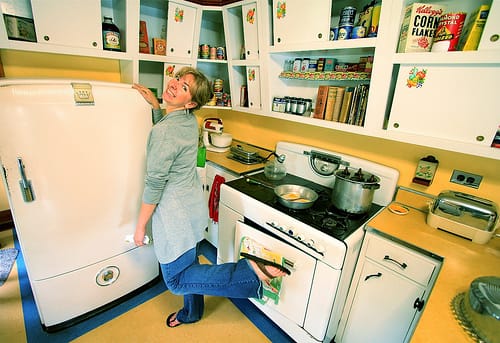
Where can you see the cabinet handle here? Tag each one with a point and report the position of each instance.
(494, 38)
(279, 40)
(46, 38)
(419, 304)
(320, 35)
(379, 274)
(171, 49)
(94, 44)
(480, 138)
(189, 52)
(402, 265)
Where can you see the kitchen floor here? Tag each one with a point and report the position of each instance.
(222, 321)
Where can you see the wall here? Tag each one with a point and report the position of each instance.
(265, 132)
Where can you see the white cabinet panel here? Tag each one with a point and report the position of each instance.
(250, 31)
(253, 87)
(181, 23)
(75, 23)
(296, 21)
(447, 101)
(490, 38)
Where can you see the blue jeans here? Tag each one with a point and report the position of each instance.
(186, 276)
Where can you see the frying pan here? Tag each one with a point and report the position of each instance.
(292, 196)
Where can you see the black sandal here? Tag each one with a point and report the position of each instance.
(262, 263)
(172, 318)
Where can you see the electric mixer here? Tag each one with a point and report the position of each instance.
(212, 130)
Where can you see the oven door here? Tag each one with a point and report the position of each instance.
(295, 288)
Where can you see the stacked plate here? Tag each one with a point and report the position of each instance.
(245, 155)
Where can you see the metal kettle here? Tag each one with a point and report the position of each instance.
(275, 169)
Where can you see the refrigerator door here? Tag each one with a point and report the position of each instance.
(83, 165)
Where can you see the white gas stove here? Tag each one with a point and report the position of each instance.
(322, 242)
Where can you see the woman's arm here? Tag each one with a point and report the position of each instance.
(147, 95)
(144, 215)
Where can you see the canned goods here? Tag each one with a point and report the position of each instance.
(297, 64)
(204, 51)
(347, 15)
(375, 20)
(358, 32)
(304, 66)
(213, 52)
(218, 85)
(313, 65)
(321, 64)
(334, 33)
(345, 32)
(221, 53)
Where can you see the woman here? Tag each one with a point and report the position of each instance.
(174, 199)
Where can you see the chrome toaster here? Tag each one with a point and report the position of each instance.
(464, 215)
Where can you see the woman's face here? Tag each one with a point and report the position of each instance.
(177, 93)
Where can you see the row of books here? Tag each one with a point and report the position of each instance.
(342, 104)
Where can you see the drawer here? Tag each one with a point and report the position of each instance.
(400, 259)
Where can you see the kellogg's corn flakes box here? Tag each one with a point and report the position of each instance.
(420, 22)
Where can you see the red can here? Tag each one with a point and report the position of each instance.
(448, 31)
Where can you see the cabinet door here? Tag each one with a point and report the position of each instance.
(250, 30)
(253, 87)
(490, 37)
(181, 23)
(297, 22)
(446, 101)
(78, 23)
(382, 310)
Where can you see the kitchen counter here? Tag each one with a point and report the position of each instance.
(463, 262)
(221, 159)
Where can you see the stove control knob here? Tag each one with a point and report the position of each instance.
(310, 243)
(299, 237)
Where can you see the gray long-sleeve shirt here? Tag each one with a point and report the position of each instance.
(172, 183)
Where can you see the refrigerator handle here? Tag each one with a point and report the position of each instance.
(25, 184)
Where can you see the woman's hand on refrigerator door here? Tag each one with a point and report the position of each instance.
(148, 95)
(140, 233)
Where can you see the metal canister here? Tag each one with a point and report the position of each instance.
(358, 32)
(218, 85)
(213, 52)
(334, 33)
(297, 64)
(204, 51)
(221, 53)
(347, 15)
(345, 32)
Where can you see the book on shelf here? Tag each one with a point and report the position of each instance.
(473, 29)
(363, 101)
(353, 107)
(319, 108)
(346, 102)
(330, 102)
(338, 103)
(420, 22)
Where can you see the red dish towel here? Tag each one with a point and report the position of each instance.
(213, 200)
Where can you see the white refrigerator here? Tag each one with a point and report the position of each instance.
(73, 161)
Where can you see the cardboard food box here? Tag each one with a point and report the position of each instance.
(420, 22)
(473, 29)
(160, 46)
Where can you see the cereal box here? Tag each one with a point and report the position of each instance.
(420, 22)
(471, 34)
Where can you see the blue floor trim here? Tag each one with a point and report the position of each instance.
(36, 334)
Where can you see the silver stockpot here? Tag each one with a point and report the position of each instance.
(353, 190)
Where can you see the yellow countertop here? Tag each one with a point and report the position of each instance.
(221, 159)
(463, 262)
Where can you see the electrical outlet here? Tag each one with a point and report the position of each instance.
(466, 179)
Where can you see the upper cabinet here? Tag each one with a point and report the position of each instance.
(181, 26)
(250, 30)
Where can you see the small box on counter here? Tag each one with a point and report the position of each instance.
(419, 24)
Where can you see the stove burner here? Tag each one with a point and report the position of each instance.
(331, 223)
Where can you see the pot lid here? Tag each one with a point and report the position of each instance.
(356, 175)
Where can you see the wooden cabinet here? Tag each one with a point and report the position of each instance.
(390, 287)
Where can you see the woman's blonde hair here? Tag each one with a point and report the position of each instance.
(201, 90)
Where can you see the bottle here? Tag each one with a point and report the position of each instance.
(202, 153)
(110, 35)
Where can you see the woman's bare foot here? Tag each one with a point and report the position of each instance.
(264, 272)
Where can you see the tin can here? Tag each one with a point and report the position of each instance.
(347, 15)
(221, 53)
(321, 64)
(334, 33)
(313, 65)
(204, 51)
(375, 20)
(297, 64)
(212, 52)
(345, 32)
(448, 31)
(304, 66)
(358, 32)
(218, 85)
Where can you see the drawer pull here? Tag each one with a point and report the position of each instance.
(379, 274)
(419, 304)
(402, 265)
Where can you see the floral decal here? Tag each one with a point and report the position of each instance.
(251, 75)
(169, 71)
(280, 9)
(251, 16)
(416, 77)
(179, 15)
